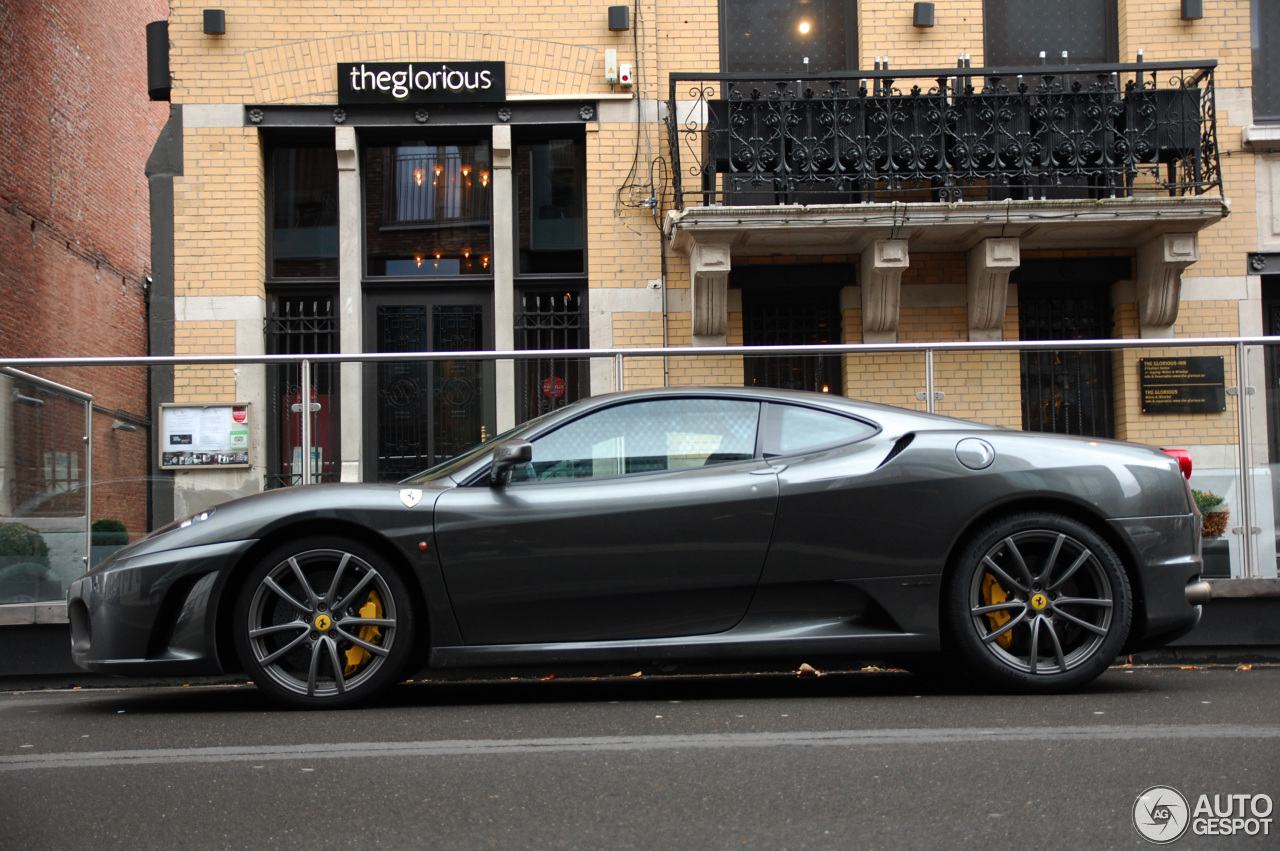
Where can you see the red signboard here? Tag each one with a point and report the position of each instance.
(553, 388)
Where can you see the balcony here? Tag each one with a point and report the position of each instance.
(1057, 156)
(1092, 132)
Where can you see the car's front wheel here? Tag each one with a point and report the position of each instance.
(1037, 602)
(324, 622)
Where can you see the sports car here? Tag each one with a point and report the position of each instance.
(678, 526)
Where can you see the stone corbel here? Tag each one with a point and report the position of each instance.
(709, 268)
(990, 263)
(344, 142)
(1159, 280)
(502, 146)
(882, 266)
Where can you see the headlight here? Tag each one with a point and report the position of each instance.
(197, 518)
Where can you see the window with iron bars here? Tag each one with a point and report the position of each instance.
(302, 325)
(1066, 391)
(800, 316)
(549, 320)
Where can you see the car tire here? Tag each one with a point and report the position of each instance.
(1037, 602)
(323, 623)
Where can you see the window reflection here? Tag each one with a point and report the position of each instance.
(428, 210)
(304, 215)
(551, 183)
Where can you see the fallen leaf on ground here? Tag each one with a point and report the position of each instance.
(636, 674)
(1244, 667)
(807, 670)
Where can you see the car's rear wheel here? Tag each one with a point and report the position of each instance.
(1037, 602)
(323, 622)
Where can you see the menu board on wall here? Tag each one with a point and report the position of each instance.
(1190, 385)
(194, 436)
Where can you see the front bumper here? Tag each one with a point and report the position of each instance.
(152, 614)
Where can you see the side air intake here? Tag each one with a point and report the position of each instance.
(901, 444)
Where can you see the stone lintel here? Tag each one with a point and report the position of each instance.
(989, 265)
(1159, 280)
(709, 267)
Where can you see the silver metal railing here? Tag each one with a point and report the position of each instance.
(614, 363)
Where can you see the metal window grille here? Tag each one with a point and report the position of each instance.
(1017, 30)
(300, 325)
(792, 317)
(1064, 391)
(550, 320)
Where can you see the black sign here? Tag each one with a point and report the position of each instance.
(1182, 385)
(421, 82)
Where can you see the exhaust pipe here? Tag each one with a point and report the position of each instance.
(1198, 592)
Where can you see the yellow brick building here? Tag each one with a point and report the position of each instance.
(335, 179)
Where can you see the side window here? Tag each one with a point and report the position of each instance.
(1266, 71)
(643, 437)
(794, 429)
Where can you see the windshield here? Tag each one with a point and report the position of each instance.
(458, 462)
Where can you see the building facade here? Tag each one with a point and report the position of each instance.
(74, 267)
(459, 177)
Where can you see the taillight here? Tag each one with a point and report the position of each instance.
(1184, 460)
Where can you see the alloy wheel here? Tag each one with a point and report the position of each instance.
(321, 623)
(1041, 602)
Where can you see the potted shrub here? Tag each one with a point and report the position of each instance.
(18, 539)
(107, 532)
(1214, 513)
(24, 564)
(106, 535)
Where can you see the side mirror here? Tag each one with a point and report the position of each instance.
(506, 457)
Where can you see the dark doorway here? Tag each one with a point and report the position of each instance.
(422, 413)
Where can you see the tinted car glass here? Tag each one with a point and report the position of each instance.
(666, 434)
(799, 429)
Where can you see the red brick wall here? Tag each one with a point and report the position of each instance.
(76, 128)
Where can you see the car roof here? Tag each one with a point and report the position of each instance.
(853, 407)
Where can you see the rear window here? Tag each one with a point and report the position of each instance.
(795, 429)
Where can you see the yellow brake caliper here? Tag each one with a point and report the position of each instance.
(357, 656)
(993, 593)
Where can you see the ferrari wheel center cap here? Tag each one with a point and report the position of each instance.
(322, 622)
(1039, 602)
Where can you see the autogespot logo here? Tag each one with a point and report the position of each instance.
(1160, 814)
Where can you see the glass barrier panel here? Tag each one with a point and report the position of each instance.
(44, 470)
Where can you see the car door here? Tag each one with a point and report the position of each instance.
(644, 519)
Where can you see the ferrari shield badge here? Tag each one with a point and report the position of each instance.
(410, 496)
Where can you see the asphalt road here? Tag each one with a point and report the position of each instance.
(849, 760)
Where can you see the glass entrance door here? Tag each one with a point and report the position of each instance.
(424, 412)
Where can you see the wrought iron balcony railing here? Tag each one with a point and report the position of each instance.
(1096, 131)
